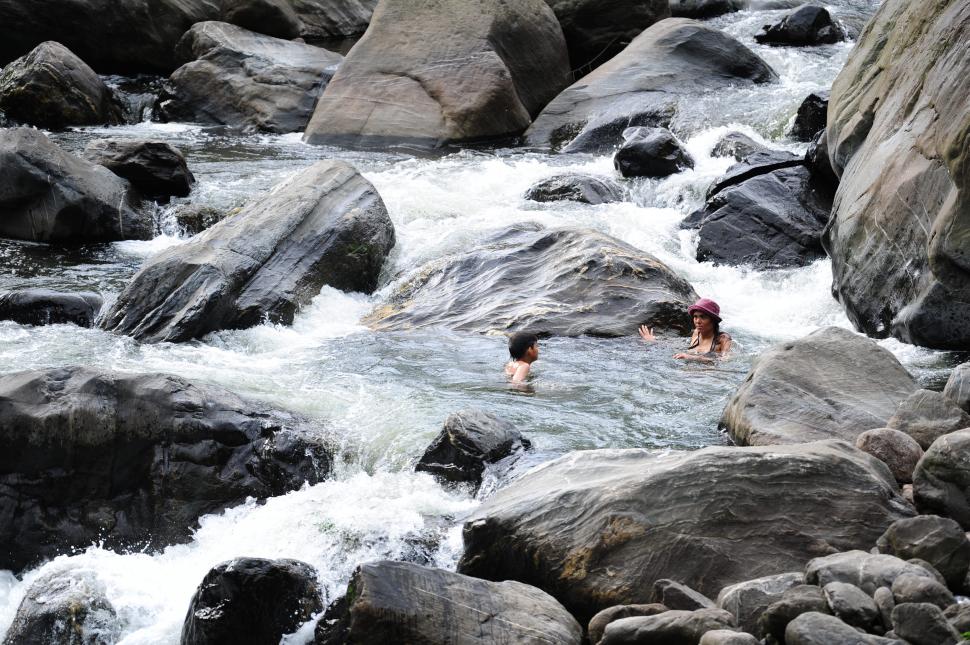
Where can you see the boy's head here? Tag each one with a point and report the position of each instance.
(524, 346)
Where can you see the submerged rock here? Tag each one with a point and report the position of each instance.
(443, 71)
(47, 307)
(806, 25)
(577, 188)
(246, 80)
(737, 145)
(397, 602)
(52, 88)
(651, 152)
(155, 168)
(597, 528)
(324, 226)
(941, 482)
(48, 195)
(579, 282)
(899, 114)
(253, 601)
(830, 384)
(127, 460)
(668, 62)
(926, 416)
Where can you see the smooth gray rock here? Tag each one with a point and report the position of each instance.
(251, 600)
(651, 152)
(760, 162)
(941, 481)
(193, 219)
(898, 114)
(48, 195)
(923, 624)
(829, 384)
(806, 25)
(896, 449)
(271, 17)
(130, 460)
(437, 72)
(52, 88)
(243, 79)
(936, 575)
(727, 637)
(580, 282)
(908, 588)
(47, 307)
(958, 386)
(675, 627)
(326, 225)
(65, 607)
(883, 597)
(868, 571)
(810, 118)
(938, 540)
(737, 145)
(794, 602)
(469, 440)
(155, 168)
(597, 528)
(574, 187)
(748, 600)
(820, 629)
(853, 606)
(333, 19)
(598, 623)
(926, 416)
(674, 595)
(958, 616)
(705, 8)
(669, 62)
(398, 602)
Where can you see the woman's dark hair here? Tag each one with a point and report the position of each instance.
(717, 335)
(520, 342)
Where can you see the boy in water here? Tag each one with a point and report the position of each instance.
(524, 350)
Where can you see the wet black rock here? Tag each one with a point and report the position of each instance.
(675, 626)
(810, 119)
(704, 8)
(324, 226)
(469, 441)
(794, 602)
(807, 25)
(193, 219)
(737, 145)
(65, 607)
(442, 72)
(669, 62)
(759, 162)
(710, 518)
(865, 570)
(674, 595)
(651, 152)
(958, 386)
(271, 17)
(253, 601)
(926, 416)
(831, 383)
(748, 600)
(246, 80)
(47, 307)
(48, 195)
(941, 482)
(574, 187)
(52, 88)
(131, 460)
(598, 623)
(923, 624)
(588, 283)
(155, 168)
(397, 602)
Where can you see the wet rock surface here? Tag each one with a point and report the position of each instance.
(155, 168)
(275, 18)
(48, 307)
(811, 116)
(324, 226)
(581, 282)
(577, 188)
(651, 152)
(821, 386)
(130, 460)
(806, 25)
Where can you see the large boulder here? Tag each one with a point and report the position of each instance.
(433, 72)
(676, 627)
(134, 459)
(47, 307)
(324, 226)
(251, 600)
(65, 607)
(399, 602)
(48, 195)
(333, 19)
(577, 188)
(829, 384)
(669, 62)
(559, 282)
(957, 387)
(119, 36)
(597, 528)
(52, 88)
(941, 482)
(926, 416)
(246, 80)
(806, 25)
(899, 118)
(596, 31)
(155, 168)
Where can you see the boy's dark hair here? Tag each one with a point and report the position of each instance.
(520, 342)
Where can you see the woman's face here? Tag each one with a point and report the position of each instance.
(703, 323)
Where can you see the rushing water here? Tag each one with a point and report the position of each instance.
(384, 396)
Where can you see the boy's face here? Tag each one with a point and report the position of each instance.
(533, 351)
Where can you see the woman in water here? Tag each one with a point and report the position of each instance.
(707, 342)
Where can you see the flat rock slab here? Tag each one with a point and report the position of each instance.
(328, 19)
(597, 528)
(324, 226)
(830, 384)
(578, 282)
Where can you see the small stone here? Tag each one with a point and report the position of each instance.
(651, 152)
(896, 449)
(923, 624)
(852, 605)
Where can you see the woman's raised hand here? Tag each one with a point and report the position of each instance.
(646, 333)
